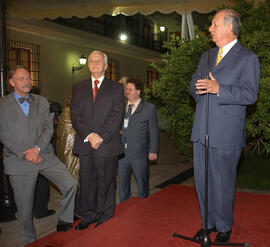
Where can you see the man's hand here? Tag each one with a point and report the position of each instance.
(207, 86)
(95, 140)
(38, 160)
(152, 156)
(33, 156)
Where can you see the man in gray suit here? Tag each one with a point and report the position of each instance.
(140, 139)
(233, 83)
(26, 128)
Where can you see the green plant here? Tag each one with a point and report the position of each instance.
(253, 173)
(178, 65)
(255, 34)
(180, 62)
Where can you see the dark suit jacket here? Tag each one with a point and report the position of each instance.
(142, 132)
(238, 75)
(19, 133)
(104, 116)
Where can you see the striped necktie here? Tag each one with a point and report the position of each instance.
(128, 114)
(219, 56)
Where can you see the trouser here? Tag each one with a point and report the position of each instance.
(42, 196)
(96, 200)
(140, 169)
(24, 190)
(222, 168)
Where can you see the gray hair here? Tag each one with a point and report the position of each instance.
(11, 74)
(14, 69)
(102, 53)
(231, 16)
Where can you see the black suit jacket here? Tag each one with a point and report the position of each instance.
(104, 116)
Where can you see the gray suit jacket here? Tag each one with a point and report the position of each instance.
(238, 74)
(19, 133)
(142, 132)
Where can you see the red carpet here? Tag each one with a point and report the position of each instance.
(150, 222)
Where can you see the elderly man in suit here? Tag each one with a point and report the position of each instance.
(97, 109)
(232, 85)
(26, 128)
(140, 139)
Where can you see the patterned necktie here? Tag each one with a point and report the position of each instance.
(219, 56)
(95, 89)
(128, 114)
(21, 100)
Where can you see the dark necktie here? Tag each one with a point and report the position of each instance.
(95, 89)
(128, 114)
(126, 120)
(21, 100)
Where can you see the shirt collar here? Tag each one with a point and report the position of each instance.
(100, 81)
(227, 47)
(136, 103)
(17, 96)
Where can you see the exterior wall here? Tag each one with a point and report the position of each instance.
(61, 47)
(171, 21)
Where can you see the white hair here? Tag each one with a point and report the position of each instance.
(102, 53)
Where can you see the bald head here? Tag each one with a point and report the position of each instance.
(225, 27)
(231, 16)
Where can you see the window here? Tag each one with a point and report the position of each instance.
(177, 34)
(152, 75)
(112, 71)
(26, 54)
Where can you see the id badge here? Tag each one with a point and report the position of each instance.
(126, 123)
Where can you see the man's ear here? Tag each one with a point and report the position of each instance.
(231, 27)
(11, 82)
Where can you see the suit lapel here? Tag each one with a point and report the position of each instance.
(139, 107)
(213, 58)
(15, 108)
(87, 95)
(229, 57)
(133, 119)
(32, 106)
(102, 89)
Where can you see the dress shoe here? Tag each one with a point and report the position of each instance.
(63, 226)
(223, 237)
(198, 235)
(75, 217)
(83, 225)
(48, 213)
(98, 223)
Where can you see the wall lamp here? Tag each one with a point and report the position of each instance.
(123, 37)
(162, 28)
(82, 61)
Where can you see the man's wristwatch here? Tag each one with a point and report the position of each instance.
(37, 147)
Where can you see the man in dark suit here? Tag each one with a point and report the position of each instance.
(232, 85)
(97, 109)
(140, 139)
(26, 129)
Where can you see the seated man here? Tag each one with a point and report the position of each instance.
(26, 129)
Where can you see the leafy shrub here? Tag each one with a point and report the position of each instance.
(178, 65)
